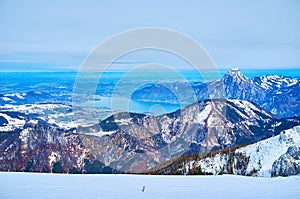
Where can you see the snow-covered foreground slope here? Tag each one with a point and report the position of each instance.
(264, 153)
(256, 159)
(272, 157)
(23, 185)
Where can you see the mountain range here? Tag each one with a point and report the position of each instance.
(44, 138)
(131, 142)
(277, 94)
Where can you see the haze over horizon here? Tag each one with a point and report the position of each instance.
(56, 36)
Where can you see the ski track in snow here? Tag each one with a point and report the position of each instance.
(25, 185)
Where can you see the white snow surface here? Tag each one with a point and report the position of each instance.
(264, 153)
(18, 95)
(249, 108)
(261, 155)
(271, 81)
(52, 118)
(12, 123)
(54, 157)
(123, 121)
(33, 186)
(6, 99)
(212, 165)
(203, 115)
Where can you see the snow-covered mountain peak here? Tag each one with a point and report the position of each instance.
(235, 72)
(235, 75)
(235, 69)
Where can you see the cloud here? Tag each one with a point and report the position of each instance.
(16, 61)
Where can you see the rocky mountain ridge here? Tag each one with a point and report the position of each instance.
(46, 149)
(135, 142)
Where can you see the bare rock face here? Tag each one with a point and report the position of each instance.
(42, 148)
(288, 164)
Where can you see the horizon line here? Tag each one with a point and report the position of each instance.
(151, 69)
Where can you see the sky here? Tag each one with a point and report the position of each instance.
(59, 35)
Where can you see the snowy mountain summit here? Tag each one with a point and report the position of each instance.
(235, 75)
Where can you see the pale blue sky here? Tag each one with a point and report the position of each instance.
(55, 35)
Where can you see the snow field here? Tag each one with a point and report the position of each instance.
(26, 185)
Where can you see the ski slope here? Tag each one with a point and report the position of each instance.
(25, 185)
